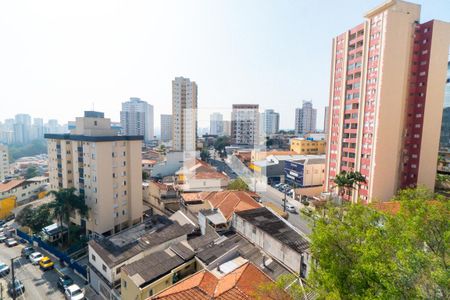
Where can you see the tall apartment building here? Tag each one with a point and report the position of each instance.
(22, 128)
(270, 122)
(184, 114)
(445, 127)
(386, 95)
(216, 124)
(245, 124)
(103, 167)
(4, 162)
(37, 130)
(325, 119)
(137, 118)
(166, 128)
(305, 118)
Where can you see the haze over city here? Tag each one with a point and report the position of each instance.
(59, 59)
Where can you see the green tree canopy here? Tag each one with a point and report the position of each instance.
(238, 184)
(363, 253)
(31, 172)
(35, 218)
(205, 155)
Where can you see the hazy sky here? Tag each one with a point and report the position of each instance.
(58, 57)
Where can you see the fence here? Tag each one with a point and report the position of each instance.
(62, 256)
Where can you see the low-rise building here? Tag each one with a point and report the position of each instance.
(306, 172)
(107, 255)
(24, 190)
(239, 279)
(200, 176)
(260, 155)
(306, 146)
(163, 198)
(276, 237)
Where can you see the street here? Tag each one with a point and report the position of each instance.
(38, 284)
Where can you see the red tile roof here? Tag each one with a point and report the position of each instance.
(239, 284)
(227, 201)
(6, 186)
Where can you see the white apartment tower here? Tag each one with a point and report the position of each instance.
(4, 162)
(184, 114)
(103, 167)
(305, 118)
(216, 124)
(136, 118)
(166, 128)
(245, 124)
(270, 122)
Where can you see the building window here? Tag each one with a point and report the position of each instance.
(104, 268)
(93, 257)
(124, 283)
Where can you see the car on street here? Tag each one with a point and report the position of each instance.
(46, 263)
(2, 222)
(64, 281)
(17, 287)
(4, 269)
(11, 242)
(27, 251)
(35, 257)
(73, 292)
(291, 208)
(3, 238)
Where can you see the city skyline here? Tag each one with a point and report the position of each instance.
(285, 72)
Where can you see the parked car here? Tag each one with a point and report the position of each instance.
(17, 287)
(46, 263)
(3, 238)
(4, 269)
(27, 251)
(11, 242)
(2, 222)
(35, 257)
(291, 208)
(10, 217)
(73, 292)
(64, 281)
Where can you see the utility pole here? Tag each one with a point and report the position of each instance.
(13, 278)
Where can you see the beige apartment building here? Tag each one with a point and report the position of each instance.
(104, 167)
(386, 97)
(4, 162)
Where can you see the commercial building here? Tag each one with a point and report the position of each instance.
(136, 118)
(103, 167)
(4, 162)
(307, 146)
(245, 124)
(270, 122)
(305, 118)
(307, 172)
(166, 128)
(386, 98)
(184, 114)
(216, 124)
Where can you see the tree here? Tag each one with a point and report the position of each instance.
(287, 286)
(347, 181)
(31, 172)
(205, 155)
(238, 185)
(220, 145)
(361, 252)
(65, 204)
(144, 175)
(34, 218)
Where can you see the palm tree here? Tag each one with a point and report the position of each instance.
(346, 181)
(65, 204)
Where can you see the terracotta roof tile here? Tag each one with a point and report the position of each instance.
(6, 186)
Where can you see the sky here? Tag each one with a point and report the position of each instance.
(59, 58)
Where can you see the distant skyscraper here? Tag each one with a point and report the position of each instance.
(166, 128)
(22, 129)
(216, 123)
(227, 128)
(38, 128)
(325, 120)
(270, 122)
(184, 114)
(386, 97)
(4, 162)
(52, 126)
(245, 124)
(305, 118)
(445, 127)
(136, 118)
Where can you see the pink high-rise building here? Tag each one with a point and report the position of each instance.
(386, 98)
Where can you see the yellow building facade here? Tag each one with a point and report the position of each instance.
(6, 206)
(305, 146)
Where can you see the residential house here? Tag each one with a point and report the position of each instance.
(200, 176)
(162, 198)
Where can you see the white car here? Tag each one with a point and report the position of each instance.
(4, 269)
(36, 257)
(73, 292)
(291, 208)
